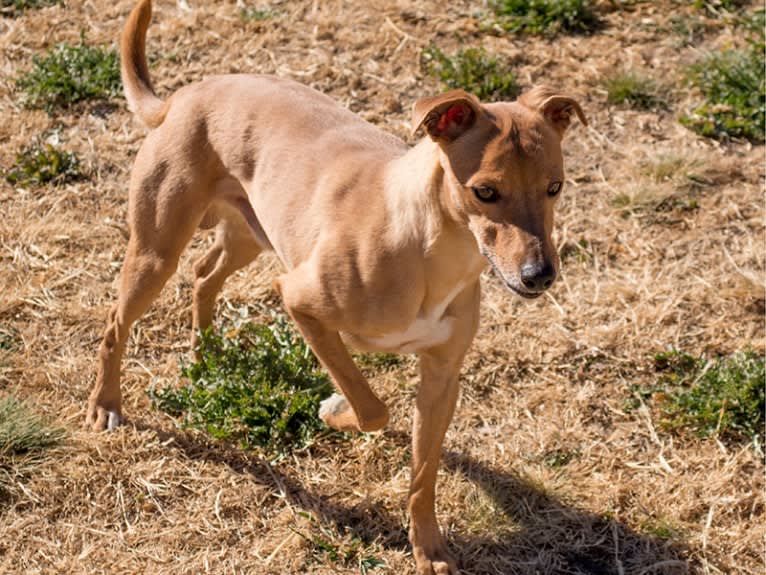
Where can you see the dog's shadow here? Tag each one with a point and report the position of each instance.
(548, 535)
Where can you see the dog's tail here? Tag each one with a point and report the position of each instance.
(135, 73)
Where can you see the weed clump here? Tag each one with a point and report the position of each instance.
(473, 70)
(259, 386)
(635, 90)
(733, 85)
(39, 164)
(70, 74)
(545, 16)
(723, 397)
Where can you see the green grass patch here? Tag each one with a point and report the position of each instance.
(687, 30)
(752, 24)
(651, 200)
(665, 167)
(24, 436)
(379, 361)
(545, 16)
(22, 431)
(719, 6)
(9, 342)
(662, 528)
(473, 70)
(39, 164)
(579, 251)
(258, 386)
(633, 89)
(348, 550)
(733, 86)
(14, 8)
(69, 74)
(8, 339)
(722, 397)
(258, 13)
(560, 457)
(673, 184)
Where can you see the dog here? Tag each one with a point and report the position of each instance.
(382, 244)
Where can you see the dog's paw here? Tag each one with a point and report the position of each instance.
(337, 413)
(100, 419)
(430, 551)
(333, 405)
(440, 564)
(113, 420)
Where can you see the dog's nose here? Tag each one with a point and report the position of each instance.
(536, 277)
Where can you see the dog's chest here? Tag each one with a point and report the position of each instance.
(428, 329)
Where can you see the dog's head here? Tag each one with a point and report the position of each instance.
(503, 172)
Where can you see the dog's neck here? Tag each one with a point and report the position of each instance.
(419, 197)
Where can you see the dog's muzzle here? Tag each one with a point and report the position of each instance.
(520, 287)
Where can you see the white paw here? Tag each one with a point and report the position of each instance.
(333, 405)
(113, 421)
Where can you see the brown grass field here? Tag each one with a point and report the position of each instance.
(544, 470)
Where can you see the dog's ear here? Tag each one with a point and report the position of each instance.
(447, 116)
(556, 107)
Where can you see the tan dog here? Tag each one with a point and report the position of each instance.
(383, 245)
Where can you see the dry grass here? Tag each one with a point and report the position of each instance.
(544, 471)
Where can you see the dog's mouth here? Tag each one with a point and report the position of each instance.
(524, 294)
(515, 289)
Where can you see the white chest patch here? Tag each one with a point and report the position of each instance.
(428, 329)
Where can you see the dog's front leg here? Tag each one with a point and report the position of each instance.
(358, 409)
(434, 407)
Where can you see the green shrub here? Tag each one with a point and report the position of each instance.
(545, 16)
(632, 89)
(70, 74)
(722, 397)
(15, 8)
(40, 164)
(472, 70)
(259, 387)
(733, 85)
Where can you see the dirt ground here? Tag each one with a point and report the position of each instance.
(545, 470)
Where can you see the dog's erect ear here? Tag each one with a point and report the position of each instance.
(556, 107)
(447, 116)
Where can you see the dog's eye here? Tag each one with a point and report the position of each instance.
(554, 189)
(486, 194)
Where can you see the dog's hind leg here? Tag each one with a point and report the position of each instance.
(163, 217)
(234, 247)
